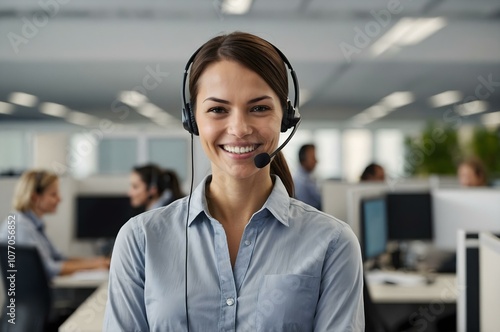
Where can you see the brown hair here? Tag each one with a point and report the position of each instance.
(162, 179)
(257, 55)
(31, 182)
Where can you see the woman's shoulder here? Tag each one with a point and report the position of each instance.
(16, 218)
(304, 216)
(305, 212)
(17, 221)
(158, 218)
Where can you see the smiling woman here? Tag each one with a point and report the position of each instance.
(258, 259)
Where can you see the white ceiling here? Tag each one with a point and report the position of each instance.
(91, 50)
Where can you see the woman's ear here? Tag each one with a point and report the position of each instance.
(35, 198)
(152, 192)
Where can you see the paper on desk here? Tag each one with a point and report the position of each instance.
(398, 278)
(100, 274)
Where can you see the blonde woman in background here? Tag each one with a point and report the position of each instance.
(37, 194)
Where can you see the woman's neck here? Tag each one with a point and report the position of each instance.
(151, 203)
(39, 213)
(234, 200)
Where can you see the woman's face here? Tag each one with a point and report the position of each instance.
(468, 177)
(238, 117)
(49, 199)
(137, 191)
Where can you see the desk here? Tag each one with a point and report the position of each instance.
(70, 281)
(443, 290)
(90, 315)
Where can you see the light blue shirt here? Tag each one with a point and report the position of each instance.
(165, 199)
(29, 231)
(297, 269)
(306, 189)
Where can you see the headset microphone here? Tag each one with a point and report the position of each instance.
(261, 160)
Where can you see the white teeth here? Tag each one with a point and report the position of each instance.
(239, 149)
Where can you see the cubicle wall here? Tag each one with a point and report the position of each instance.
(489, 258)
(478, 281)
(343, 200)
(470, 209)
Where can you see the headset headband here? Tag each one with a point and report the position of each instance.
(290, 120)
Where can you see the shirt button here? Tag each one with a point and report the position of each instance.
(230, 301)
(247, 243)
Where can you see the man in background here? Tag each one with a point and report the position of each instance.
(306, 189)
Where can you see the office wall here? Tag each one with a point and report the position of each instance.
(50, 148)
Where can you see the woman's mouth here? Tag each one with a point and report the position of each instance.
(239, 149)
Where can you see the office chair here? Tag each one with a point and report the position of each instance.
(32, 291)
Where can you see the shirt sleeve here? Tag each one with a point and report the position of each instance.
(340, 306)
(125, 309)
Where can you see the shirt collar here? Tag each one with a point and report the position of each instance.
(36, 221)
(278, 202)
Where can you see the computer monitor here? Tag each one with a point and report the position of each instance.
(102, 216)
(409, 216)
(373, 227)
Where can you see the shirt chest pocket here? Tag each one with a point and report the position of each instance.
(287, 302)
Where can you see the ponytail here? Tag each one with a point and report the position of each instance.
(172, 182)
(280, 168)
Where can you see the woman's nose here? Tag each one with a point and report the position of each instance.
(239, 125)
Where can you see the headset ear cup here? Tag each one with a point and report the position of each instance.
(188, 120)
(288, 118)
(194, 126)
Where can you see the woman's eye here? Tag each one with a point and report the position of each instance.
(260, 108)
(216, 110)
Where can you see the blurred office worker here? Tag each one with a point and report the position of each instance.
(306, 189)
(471, 173)
(37, 194)
(152, 187)
(373, 172)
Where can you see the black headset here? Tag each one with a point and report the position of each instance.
(38, 181)
(291, 114)
(154, 179)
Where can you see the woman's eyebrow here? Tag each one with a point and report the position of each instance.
(251, 101)
(217, 100)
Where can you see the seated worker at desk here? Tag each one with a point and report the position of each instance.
(152, 187)
(36, 194)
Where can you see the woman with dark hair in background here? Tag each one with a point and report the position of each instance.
(152, 187)
(239, 254)
(37, 194)
(373, 172)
